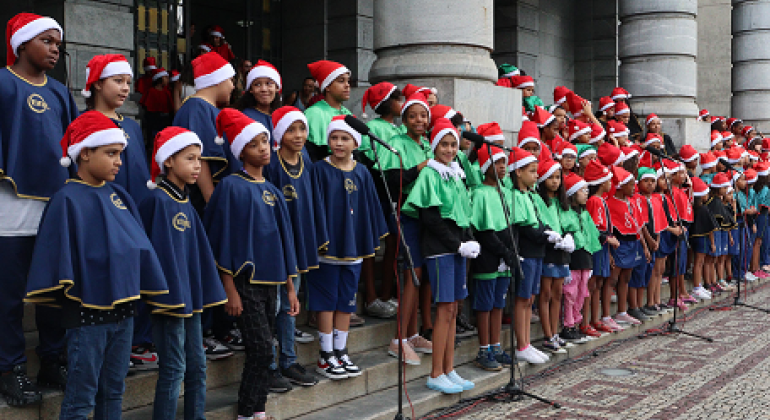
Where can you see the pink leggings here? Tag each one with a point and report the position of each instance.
(575, 293)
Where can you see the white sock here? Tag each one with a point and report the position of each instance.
(607, 318)
(621, 313)
(325, 340)
(340, 339)
(484, 347)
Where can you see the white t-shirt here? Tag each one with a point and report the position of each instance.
(18, 216)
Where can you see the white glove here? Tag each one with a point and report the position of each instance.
(470, 249)
(567, 243)
(553, 237)
(445, 171)
(502, 267)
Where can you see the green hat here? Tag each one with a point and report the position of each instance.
(585, 150)
(645, 172)
(507, 70)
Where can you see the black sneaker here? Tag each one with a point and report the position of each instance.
(571, 334)
(427, 334)
(233, 340)
(144, 358)
(53, 373)
(329, 366)
(17, 389)
(296, 374)
(215, 350)
(350, 367)
(463, 321)
(279, 384)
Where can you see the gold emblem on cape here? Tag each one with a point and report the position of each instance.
(269, 198)
(350, 186)
(180, 222)
(117, 201)
(289, 192)
(36, 103)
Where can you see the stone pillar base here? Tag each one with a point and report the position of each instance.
(690, 131)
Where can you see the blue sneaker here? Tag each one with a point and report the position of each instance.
(500, 356)
(456, 379)
(443, 384)
(485, 359)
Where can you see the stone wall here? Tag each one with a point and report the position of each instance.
(714, 50)
(596, 52)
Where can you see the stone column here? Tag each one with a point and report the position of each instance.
(444, 44)
(751, 62)
(657, 48)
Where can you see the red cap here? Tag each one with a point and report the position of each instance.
(688, 153)
(596, 173)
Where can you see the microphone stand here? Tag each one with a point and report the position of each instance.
(410, 266)
(672, 327)
(515, 387)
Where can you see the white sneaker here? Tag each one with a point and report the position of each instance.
(750, 276)
(543, 355)
(530, 355)
(701, 293)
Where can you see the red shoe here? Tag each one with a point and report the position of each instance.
(600, 327)
(590, 331)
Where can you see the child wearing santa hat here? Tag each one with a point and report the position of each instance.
(263, 94)
(98, 285)
(746, 216)
(354, 222)
(34, 113)
(145, 81)
(440, 201)
(704, 231)
(218, 44)
(385, 100)
(290, 171)
(158, 104)
(333, 80)
(248, 223)
(179, 239)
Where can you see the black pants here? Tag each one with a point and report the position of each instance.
(257, 323)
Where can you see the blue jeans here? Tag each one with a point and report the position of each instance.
(284, 328)
(181, 356)
(98, 364)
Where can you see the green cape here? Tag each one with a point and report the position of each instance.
(473, 175)
(451, 197)
(587, 237)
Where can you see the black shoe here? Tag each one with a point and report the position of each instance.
(53, 374)
(571, 334)
(233, 340)
(350, 367)
(17, 389)
(465, 323)
(279, 384)
(296, 374)
(427, 334)
(329, 366)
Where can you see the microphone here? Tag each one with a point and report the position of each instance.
(478, 140)
(728, 165)
(660, 154)
(362, 128)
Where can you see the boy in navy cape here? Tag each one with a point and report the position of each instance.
(180, 241)
(355, 224)
(250, 232)
(289, 170)
(94, 260)
(34, 112)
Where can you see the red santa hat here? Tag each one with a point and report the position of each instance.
(158, 73)
(376, 95)
(746, 132)
(573, 183)
(597, 133)
(566, 148)
(652, 138)
(762, 168)
(167, 142)
(521, 82)
(617, 128)
(708, 160)
(688, 153)
(417, 98)
(605, 103)
(485, 161)
(204, 47)
(650, 118)
(439, 111)
(542, 117)
(560, 94)
(753, 155)
(619, 93)
(490, 131)
(703, 114)
(442, 128)
(726, 135)
(720, 180)
(25, 27)
(90, 130)
(546, 168)
(596, 173)
(732, 121)
(621, 108)
(263, 69)
(283, 118)
(577, 128)
(629, 152)
(149, 63)
(528, 133)
(217, 30)
(211, 69)
(699, 188)
(325, 72)
(751, 175)
(504, 82)
(238, 128)
(175, 75)
(622, 176)
(733, 155)
(575, 103)
(716, 138)
(338, 123)
(671, 167)
(411, 89)
(519, 158)
(609, 155)
(104, 66)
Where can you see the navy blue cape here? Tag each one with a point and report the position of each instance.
(134, 174)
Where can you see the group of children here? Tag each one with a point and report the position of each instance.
(238, 206)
